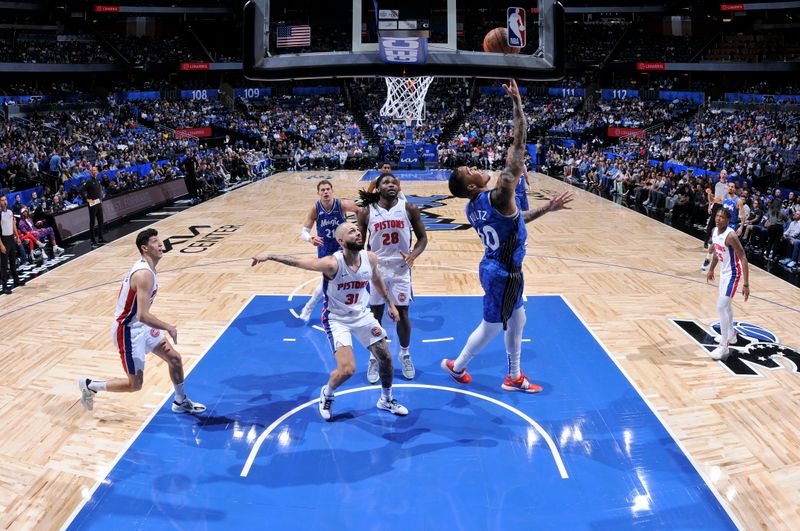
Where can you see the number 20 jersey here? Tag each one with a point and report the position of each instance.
(503, 236)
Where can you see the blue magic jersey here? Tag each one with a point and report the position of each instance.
(732, 205)
(503, 236)
(521, 193)
(327, 221)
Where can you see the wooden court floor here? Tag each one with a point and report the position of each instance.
(626, 275)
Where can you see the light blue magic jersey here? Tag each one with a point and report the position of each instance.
(327, 221)
(503, 236)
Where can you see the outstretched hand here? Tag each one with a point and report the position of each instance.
(512, 90)
(263, 257)
(560, 201)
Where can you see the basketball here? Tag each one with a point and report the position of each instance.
(497, 41)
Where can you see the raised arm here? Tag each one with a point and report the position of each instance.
(503, 193)
(349, 207)
(326, 265)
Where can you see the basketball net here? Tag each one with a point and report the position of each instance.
(405, 98)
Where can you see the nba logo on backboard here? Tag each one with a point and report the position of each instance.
(516, 27)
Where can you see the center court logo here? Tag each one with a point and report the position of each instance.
(756, 348)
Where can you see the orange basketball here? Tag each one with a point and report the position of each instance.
(497, 41)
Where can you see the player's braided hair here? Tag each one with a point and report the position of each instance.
(367, 198)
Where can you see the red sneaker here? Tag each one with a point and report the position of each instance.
(520, 384)
(462, 377)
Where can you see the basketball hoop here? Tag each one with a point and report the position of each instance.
(405, 98)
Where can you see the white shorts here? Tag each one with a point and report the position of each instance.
(133, 343)
(365, 328)
(398, 285)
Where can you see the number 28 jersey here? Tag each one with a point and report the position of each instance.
(503, 236)
(389, 235)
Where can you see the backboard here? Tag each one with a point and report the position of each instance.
(285, 39)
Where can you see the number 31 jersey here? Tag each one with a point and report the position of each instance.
(390, 235)
(503, 236)
(346, 294)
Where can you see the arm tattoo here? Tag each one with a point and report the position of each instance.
(530, 215)
(287, 260)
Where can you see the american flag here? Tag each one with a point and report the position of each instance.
(294, 36)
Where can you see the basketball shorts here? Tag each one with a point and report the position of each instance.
(133, 343)
(502, 291)
(340, 331)
(398, 285)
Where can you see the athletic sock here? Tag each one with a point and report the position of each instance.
(180, 394)
(96, 385)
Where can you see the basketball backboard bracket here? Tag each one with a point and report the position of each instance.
(444, 58)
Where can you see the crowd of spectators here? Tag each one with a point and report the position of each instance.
(756, 47)
(51, 48)
(142, 50)
(592, 41)
(645, 45)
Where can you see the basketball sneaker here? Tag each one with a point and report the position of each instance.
(732, 339)
(325, 404)
(392, 406)
(187, 406)
(407, 365)
(719, 353)
(520, 384)
(373, 375)
(87, 395)
(705, 265)
(462, 377)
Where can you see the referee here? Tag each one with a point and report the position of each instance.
(9, 238)
(93, 191)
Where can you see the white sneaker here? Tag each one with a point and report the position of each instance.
(705, 265)
(720, 353)
(187, 406)
(58, 251)
(407, 365)
(325, 404)
(732, 339)
(87, 395)
(373, 375)
(392, 406)
(305, 315)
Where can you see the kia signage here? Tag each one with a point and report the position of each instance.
(106, 9)
(195, 65)
(193, 132)
(650, 65)
(626, 132)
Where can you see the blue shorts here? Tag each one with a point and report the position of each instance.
(522, 199)
(502, 291)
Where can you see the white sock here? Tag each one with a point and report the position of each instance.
(725, 309)
(404, 351)
(513, 340)
(97, 385)
(478, 339)
(386, 393)
(327, 391)
(180, 394)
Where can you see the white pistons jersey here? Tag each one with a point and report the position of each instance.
(729, 262)
(390, 235)
(126, 313)
(346, 294)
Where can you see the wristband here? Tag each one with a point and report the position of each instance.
(305, 234)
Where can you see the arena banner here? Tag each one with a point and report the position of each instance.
(626, 132)
(618, 94)
(106, 9)
(255, 93)
(137, 96)
(734, 97)
(671, 95)
(193, 132)
(565, 92)
(650, 65)
(199, 94)
(195, 65)
(731, 7)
